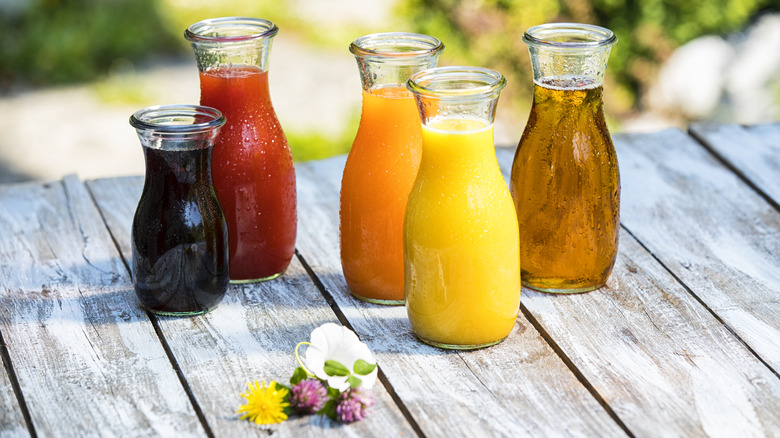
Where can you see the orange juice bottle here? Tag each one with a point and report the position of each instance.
(461, 243)
(382, 164)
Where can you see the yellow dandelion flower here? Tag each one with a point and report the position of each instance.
(264, 405)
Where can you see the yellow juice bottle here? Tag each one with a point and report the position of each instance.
(461, 244)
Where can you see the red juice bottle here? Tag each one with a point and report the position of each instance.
(252, 168)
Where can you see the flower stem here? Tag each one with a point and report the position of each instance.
(300, 362)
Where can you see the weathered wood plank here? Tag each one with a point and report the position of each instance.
(517, 388)
(668, 366)
(250, 335)
(752, 150)
(11, 418)
(719, 237)
(87, 359)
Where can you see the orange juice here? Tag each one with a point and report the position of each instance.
(461, 244)
(378, 176)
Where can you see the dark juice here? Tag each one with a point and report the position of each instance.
(253, 173)
(566, 189)
(179, 236)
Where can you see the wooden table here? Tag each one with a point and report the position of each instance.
(683, 341)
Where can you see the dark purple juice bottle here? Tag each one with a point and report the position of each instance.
(179, 236)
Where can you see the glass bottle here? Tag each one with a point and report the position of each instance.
(461, 248)
(382, 164)
(179, 234)
(565, 181)
(253, 168)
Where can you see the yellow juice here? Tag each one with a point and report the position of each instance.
(461, 244)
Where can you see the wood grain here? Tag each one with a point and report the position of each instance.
(655, 354)
(517, 388)
(754, 151)
(11, 418)
(713, 232)
(658, 357)
(681, 342)
(251, 335)
(87, 359)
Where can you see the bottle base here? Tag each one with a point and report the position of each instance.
(178, 313)
(447, 346)
(255, 280)
(562, 289)
(379, 301)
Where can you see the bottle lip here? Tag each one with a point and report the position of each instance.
(396, 45)
(457, 82)
(230, 29)
(178, 119)
(569, 36)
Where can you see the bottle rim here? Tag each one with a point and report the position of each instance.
(457, 82)
(396, 45)
(230, 29)
(178, 119)
(569, 36)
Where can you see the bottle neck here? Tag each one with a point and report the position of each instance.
(583, 68)
(225, 55)
(457, 146)
(390, 59)
(377, 72)
(552, 105)
(176, 168)
(184, 157)
(231, 41)
(569, 50)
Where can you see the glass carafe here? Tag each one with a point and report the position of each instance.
(179, 234)
(565, 180)
(382, 164)
(253, 167)
(461, 247)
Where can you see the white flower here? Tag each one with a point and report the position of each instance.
(333, 343)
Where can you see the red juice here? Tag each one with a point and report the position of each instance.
(253, 173)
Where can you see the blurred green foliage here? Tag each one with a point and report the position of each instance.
(47, 42)
(312, 145)
(489, 33)
(52, 42)
(57, 41)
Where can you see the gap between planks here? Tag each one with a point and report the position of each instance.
(699, 138)
(700, 301)
(539, 328)
(573, 368)
(155, 324)
(703, 142)
(6, 358)
(345, 322)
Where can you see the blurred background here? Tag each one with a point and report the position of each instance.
(72, 71)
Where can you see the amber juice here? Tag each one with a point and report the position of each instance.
(566, 189)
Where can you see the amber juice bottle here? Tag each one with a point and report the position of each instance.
(565, 182)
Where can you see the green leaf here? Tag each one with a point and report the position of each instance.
(329, 409)
(363, 368)
(333, 392)
(353, 381)
(298, 375)
(333, 368)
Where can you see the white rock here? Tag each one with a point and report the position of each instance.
(749, 78)
(692, 79)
